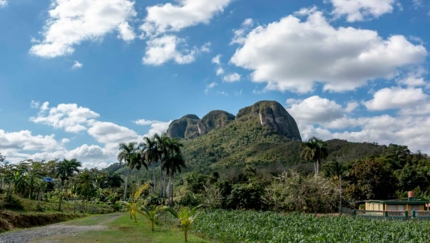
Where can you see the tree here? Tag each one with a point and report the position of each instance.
(86, 186)
(149, 151)
(163, 153)
(335, 169)
(186, 216)
(127, 151)
(64, 170)
(370, 179)
(314, 150)
(172, 162)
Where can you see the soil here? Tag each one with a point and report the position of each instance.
(31, 235)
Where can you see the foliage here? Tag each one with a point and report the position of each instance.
(370, 179)
(245, 196)
(134, 206)
(265, 227)
(294, 192)
(186, 216)
(314, 150)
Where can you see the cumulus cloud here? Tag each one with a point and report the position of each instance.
(126, 32)
(158, 127)
(293, 55)
(414, 78)
(24, 140)
(73, 21)
(77, 65)
(70, 117)
(164, 49)
(394, 98)
(360, 10)
(173, 18)
(315, 110)
(233, 77)
(145, 122)
(239, 34)
(108, 132)
(351, 106)
(3, 3)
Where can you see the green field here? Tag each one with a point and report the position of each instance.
(266, 227)
(121, 229)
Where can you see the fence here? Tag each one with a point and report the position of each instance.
(392, 214)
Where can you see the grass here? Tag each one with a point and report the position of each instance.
(124, 230)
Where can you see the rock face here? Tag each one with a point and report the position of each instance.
(190, 126)
(187, 127)
(273, 115)
(269, 114)
(216, 119)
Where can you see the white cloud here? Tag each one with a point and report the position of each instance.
(164, 49)
(3, 3)
(158, 127)
(24, 140)
(210, 86)
(34, 104)
(219, 71)
(239, 34)
(77, 65)
(414, 78)
(74, 21)
(126, 32)
(217, 59)
(360, 10)
(169, 17)
(292, 55)
(233, 77)
(351, 106)
(315, 109)
(69, 117)
(393, 98)
(108, 132)
(144, 122)
(65, 140)
(206, 47)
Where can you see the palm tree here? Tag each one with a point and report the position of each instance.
(336, 169)
(314, 150)
(163, 152)
(186, 216)
(64, 170)
(150, 154)
(126, 154)
(173, 162)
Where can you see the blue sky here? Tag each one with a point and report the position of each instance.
(77, 77)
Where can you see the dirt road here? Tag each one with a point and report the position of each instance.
(65, 228)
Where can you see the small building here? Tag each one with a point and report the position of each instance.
(409, 204)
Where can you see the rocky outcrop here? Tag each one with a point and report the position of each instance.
(216, 119)
(269, 114)
(273, 115)
(189, 126)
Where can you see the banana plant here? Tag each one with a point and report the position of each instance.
(186, 216)
(133, 207)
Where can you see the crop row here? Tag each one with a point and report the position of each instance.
(267, 227)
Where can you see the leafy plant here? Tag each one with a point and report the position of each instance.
(186, 216)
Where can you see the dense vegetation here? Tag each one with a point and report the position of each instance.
(265, 227)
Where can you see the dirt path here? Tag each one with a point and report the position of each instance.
(30, 235)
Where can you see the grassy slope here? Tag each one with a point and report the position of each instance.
(123, 230)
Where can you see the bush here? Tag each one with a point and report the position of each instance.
(190, 199)
(11, 203)
(245, 196)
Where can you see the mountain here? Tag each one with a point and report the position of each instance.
(264, 135)
(270, 114)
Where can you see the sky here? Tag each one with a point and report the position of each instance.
(77, 77)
